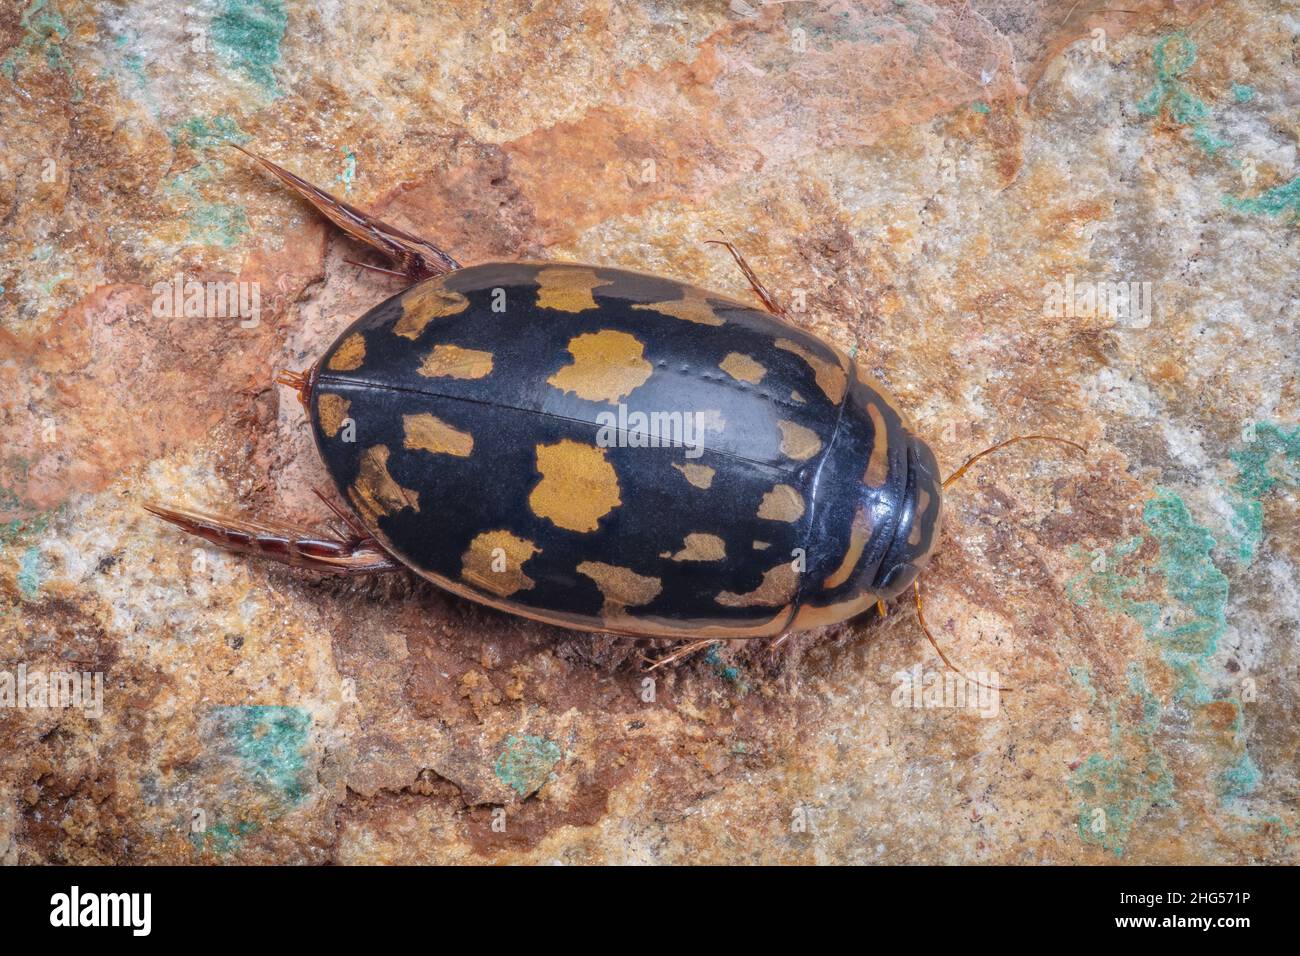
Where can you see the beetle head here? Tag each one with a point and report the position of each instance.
(916, 519)
(878, 514)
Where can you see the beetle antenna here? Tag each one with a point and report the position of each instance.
(916, 585)
(925, 629)
(380, 269)
(1003, 444)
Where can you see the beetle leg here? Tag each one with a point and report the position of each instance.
(685, 651)
(760, 290)
(350, 554)
(418, 258)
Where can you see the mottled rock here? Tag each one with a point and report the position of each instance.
(947, 186)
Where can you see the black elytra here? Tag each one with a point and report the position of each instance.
(608, 450)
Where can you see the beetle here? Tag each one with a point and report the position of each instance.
(603, 450)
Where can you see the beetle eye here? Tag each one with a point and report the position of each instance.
(899, 577)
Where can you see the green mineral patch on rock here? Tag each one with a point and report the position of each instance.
(1271, 455)
(1174, 56)
(525, 762)
(271, 741)
(1115, 792)
(248, 33)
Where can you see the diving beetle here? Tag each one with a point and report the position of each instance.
(490, 428)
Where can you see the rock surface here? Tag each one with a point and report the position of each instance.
(948, 186)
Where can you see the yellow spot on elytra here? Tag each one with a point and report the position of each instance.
(798, 442)
(859, 534)
(495, 562)
(349, 355)
(693, 307)
(568, 289)
(700, 547)
(331, 410)
(424, 303)
(831, 377)
(878, 463)
(922, 505)
(782, 503)
(452, 361)
(742, 368)
(621, 587)
(701, 476)
(431, 434)
(375, 493)
(607, 366)
(762, 545)
(796, 397)
(578, 487)
(777, 587)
